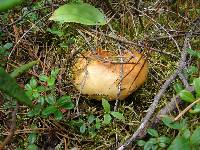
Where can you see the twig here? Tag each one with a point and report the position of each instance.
(12, 129)
(87, 41)
(186, 109)
(124, 40)
(145, 120)
(26, 33)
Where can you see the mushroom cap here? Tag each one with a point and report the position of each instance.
(98, 78)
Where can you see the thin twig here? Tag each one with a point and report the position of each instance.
(26, 33)
(12, 128)
(124, 40)
(186, 109)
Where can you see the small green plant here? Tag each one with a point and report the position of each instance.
(91, 123)
(108, 113)
(43, 92)
(155, 141)
(185, 140)
(88, 125)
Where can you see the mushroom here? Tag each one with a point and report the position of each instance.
(96, 76)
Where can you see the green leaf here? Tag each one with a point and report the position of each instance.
(106, 105)
(22, 69)
(56, 31)
(35, 111)
(54, 72)
(91, 119)
(28, 87)
(8, 45)
(98, 123)
(118, 115)
(10, 87)
(50, 99)
(148, 146)
(193, 53)
(41, 100)
(173, 124)
(58, 115)
(51, 81)
(83, 128)
(33, 83)
(196, 83)
(63, 100)
(43, 78)
(178, 87)
(152, 132)
(106, 119)
(8, 4)
(186, 96)
(196, 109)
(186, 133)
(180, 143)
(141, 143)
(163, 145)
(32, 147)
(163, 139)
(32, 137)
(195, 137)
(49, 110)
(79, 13)
(191, 70)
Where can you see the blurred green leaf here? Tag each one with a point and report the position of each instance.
(178, 87)
(186, 133)
(141, 143)
(8, 45)
(10, 87)
(106, 105)
(32, 147)
(118, 115)
(180, 143)
(49, 110)
(174, 124)
(63, 100)
(83, 128)
(17, 72)
(195, 137)
(58, 115)
(98, 123)
(193, 53)
(196, 109)
(152, 132)
(91, 119)
(51, 81)
(106, 119)
(43, 78)
(196, 83)
(50, 99)
(33, 83)
(79, 13)
(8, 4)
(54, 72)
(32, 137)
(186, 96)
(164, 139)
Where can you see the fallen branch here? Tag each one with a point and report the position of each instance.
(144, 123)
